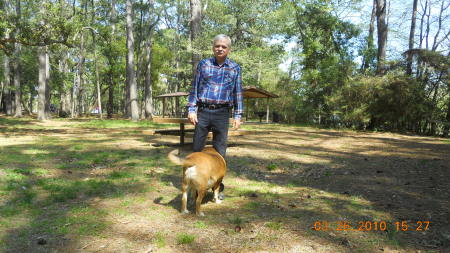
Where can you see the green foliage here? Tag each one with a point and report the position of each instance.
(391, 102)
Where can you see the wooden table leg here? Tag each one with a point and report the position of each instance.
(181, 133)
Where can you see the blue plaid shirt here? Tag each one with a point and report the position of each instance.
(214, 84)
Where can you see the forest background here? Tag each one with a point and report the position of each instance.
(376, 65)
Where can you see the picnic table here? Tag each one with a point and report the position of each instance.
(181, 121)
(182, 131)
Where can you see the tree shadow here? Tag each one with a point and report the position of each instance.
(55, 207)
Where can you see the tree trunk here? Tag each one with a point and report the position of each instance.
(110, 107)
(47, 83)
(436, 40)
(16, 67)
(43, 86)
(447, 123)
(63, 93)
(148, 89)
(131, 78)
(382, 29)
(411, 38)
(148, 102)
(427, 31)
(7, 86)
(80, 91)
(97, 80)
(368, 57)
(196, 25)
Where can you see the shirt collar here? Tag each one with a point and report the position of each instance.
(227, 62)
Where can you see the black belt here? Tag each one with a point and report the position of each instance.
(212, 106)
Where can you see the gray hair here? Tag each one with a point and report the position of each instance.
(222, 37)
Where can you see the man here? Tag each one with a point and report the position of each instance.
(216, 89)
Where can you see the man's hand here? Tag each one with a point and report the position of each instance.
(236, 123)
(192, 116)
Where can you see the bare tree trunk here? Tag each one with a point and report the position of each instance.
(148, 90)
(7, 93)
(74, 96)
(196, 26)
(447, 123)
(436, 40)
(64, 96)
(7, 83)
(97, 80)
(427, 31)
(2, 88)
(382, 28)
(131, 78)
(42, 101)
(411, 38)
(148, 102)
(110, 107)
(81, 88)
(367, 58)
(16, 67)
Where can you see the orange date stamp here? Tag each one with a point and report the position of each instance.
(371, 226)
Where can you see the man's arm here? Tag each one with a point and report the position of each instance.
(238, 97)
(192, 99)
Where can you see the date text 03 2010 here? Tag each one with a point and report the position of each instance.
(371, 225)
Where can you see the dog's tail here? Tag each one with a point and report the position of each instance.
(174, 158)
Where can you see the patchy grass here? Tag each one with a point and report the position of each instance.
(160, 240)
(184, 238)
(78, 189)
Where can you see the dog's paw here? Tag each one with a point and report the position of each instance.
(201, 214)
(217, 201)
(185, 211)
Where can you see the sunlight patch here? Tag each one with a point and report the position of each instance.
(34, 151)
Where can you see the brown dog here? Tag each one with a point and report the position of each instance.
(201, 172)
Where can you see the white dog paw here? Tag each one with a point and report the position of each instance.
(185, 211)
(201, 214)
(218, 201)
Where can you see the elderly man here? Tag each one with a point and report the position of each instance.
(216, 89)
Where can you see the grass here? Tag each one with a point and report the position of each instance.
(274, 225)
(185, 238)
(115, 187)
(160, 240)
(271, 167)
(200, 225)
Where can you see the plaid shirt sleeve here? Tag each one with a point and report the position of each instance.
(238, 104)
(192, 100)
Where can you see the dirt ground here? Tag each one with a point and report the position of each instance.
(288, 189)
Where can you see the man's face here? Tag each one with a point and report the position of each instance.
(221, 49)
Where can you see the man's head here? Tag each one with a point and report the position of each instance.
(221, 47)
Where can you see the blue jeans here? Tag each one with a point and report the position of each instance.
(215, 120)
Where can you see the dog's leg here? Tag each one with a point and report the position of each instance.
(198, 202)
(184, 191)
(216, 190)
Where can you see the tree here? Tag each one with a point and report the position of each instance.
(43, 102)
(196, 25)
(16, 67)
(382, 30)
(411, 37)
(368, 55)
(131, 78)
